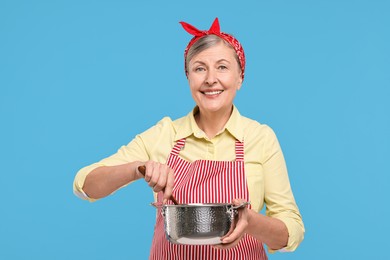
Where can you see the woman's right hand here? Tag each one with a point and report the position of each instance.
(160, 177)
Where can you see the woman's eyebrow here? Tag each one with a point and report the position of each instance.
(218, 61)
(223, 60)
(198, 61)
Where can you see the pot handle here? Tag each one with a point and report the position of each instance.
(246, 203)
(233, 210)
(157, 205)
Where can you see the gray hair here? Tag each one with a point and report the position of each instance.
(204, 43)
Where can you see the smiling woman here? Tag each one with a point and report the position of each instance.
(212, 155)
(214, 77)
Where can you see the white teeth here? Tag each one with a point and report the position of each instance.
(213, 92)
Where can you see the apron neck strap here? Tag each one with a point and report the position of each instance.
(178, 146)
(239, 151)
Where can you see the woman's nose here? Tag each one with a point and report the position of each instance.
(211, 78)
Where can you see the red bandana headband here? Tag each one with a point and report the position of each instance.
(215, 29)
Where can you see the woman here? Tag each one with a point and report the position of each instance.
(242, 158)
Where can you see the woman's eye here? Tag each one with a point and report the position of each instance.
(222, 67)
(199, 69)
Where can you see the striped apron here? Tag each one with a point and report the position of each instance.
(205, 181)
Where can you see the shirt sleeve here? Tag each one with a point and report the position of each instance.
(127, 153)
(139, 149)
(279, 199)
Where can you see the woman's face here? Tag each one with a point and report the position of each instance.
(214, 77)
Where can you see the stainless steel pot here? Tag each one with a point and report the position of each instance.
(198, 224)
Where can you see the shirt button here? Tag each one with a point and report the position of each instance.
(210, 149)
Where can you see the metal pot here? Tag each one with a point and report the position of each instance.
(198, 224)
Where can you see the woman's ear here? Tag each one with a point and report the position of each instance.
(239, 82)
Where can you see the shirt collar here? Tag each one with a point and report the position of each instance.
(234, 125)
(189, 127)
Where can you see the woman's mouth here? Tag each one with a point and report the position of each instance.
(211, 93)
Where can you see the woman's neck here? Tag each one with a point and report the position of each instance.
(212, 123)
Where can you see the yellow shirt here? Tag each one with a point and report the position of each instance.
(265, 166)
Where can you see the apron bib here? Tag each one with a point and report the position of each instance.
(205, 181)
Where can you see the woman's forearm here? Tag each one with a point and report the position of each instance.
(271, 231)
(104, 180)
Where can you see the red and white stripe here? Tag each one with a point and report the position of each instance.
(205, 181)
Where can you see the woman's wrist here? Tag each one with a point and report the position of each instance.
(250, 219)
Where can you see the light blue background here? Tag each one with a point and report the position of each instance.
(78, 79)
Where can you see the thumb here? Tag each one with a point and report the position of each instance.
(169, 186)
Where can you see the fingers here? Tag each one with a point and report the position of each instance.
(159, 177)
(238, 230)
(154, 175)
(150, 169)
(169, 185)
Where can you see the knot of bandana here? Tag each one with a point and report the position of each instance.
(215, 29)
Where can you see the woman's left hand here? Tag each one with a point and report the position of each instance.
(238, 229)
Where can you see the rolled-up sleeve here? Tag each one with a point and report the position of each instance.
(79, 180)
(279, 199)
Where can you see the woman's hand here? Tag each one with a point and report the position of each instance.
(270, 231)
(238, 229)
(160, 177)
